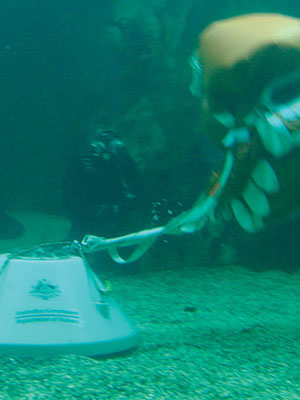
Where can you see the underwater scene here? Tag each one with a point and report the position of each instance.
(150, 202)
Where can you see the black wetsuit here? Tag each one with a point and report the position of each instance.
(99, 192)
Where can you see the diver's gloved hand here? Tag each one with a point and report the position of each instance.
(9, 227)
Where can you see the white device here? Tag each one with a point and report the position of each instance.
(51, 302)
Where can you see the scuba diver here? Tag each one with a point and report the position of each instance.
(246, 71)
(103, 189)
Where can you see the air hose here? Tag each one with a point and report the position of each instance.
(187, 222)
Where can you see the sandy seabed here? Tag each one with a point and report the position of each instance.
(205, 333)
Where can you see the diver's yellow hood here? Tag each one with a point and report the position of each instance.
(229, 41)
(241, 55)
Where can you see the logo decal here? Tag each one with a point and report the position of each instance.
(45, 290)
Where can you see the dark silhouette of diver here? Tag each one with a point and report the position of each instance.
(103, 188)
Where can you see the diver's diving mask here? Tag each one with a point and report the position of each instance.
(278, 124)
(196, 86)
(104, 142)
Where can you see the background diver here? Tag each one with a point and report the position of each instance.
(103, 188)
